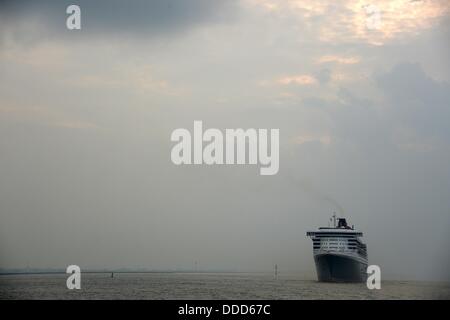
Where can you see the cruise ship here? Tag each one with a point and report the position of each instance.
(339, 253)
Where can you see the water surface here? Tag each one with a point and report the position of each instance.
(208, 286)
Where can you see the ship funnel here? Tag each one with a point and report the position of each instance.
(342, 223)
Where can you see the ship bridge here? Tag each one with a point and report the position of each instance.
(340, 238)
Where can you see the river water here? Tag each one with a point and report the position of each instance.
(208, 286)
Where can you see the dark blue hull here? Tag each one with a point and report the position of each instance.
(337, 268)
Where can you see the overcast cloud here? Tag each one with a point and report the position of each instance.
(86, 118)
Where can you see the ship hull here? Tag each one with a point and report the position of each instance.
(340, 268)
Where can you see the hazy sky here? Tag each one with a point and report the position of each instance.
(86, 117)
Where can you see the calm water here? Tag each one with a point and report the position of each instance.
(208, 286)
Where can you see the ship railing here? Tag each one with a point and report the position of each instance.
(328, 249)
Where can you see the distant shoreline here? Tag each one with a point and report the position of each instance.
(126, 271)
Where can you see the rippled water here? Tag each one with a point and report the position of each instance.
(207, 286)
